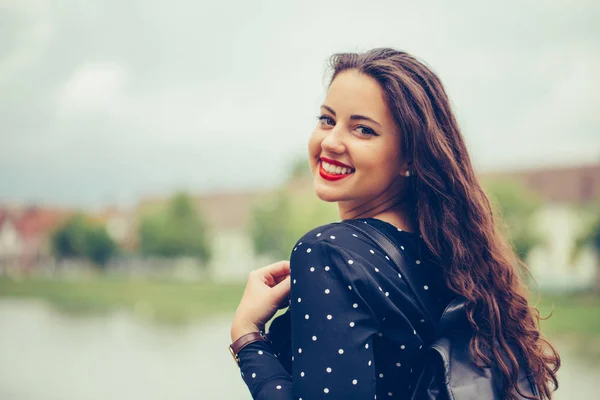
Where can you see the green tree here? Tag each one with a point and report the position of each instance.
(280, 220)
(67, 241)
(99, 246)
(590, 237)
(515, 205)
(269, 234)
(80, 238)
(179, 231)
(299, 169)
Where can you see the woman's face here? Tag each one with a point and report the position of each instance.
(356, 129)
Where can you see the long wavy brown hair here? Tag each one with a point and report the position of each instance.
(457, 222)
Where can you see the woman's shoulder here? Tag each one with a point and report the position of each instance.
(323, 232)
(338, 238)
(336, 233)
(337, 252)
(342, 234)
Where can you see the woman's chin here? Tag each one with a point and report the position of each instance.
(327, 194)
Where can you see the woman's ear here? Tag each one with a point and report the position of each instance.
(406, 169)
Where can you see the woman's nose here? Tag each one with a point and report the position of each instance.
(333, 142)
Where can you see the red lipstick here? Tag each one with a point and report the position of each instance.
(332, 177)
(329, 161)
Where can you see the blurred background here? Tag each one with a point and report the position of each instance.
(153, 153)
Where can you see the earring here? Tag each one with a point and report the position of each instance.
(407, 173)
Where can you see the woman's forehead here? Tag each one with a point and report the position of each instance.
(354, 93)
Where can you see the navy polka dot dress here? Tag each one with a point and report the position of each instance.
(353, 329)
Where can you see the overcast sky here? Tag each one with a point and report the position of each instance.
(108, 101)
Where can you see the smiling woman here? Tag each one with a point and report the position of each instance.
(388, 150)
(357, 130)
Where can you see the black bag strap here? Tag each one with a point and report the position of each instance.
(392, 251)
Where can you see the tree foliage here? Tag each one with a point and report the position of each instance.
(80, 238)
(299, 169)
(279, 221)
(591, 234)
(270, 234)
(514, 206)
(180, 230)
(590, 237)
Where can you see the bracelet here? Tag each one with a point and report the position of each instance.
(243, 341)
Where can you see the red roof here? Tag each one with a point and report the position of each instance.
(3, 216)
(575, 184)
(35, 222)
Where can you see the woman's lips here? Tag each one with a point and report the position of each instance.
(331, 177)
(334, 162)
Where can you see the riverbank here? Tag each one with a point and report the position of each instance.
(162, 301)
(575, 316)
(575, 322)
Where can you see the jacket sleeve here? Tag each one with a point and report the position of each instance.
(262, 372)
(331, 327)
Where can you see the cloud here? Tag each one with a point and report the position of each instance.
(559, 125)
(34, 36)
(93, 88)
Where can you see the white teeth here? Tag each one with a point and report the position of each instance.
(335, 169)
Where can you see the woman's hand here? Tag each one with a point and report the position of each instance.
(266, 292)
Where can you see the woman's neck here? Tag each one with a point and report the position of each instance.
(391, 211)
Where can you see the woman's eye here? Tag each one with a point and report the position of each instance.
(325, 119)
(367, 131)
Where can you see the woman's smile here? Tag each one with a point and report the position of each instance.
(332, 172)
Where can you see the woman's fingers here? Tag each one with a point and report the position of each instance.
(275, 273)
(281, 290)
(267, 290)
(277, 277)
(280, 278)
(278, 269)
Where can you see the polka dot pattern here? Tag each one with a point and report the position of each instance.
(353, 321)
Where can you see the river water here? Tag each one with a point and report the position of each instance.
(47, 355)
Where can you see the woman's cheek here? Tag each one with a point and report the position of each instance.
(314, 146)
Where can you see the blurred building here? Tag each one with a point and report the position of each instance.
(11, 241)
(24, 237)
(577, 185)
(566, 191)
(120, 225)
(228, 216)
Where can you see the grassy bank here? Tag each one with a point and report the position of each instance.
(574, 323)
(575, 316)
(572, 314)
(171, 302)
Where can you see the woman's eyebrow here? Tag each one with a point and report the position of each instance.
(353, 116)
